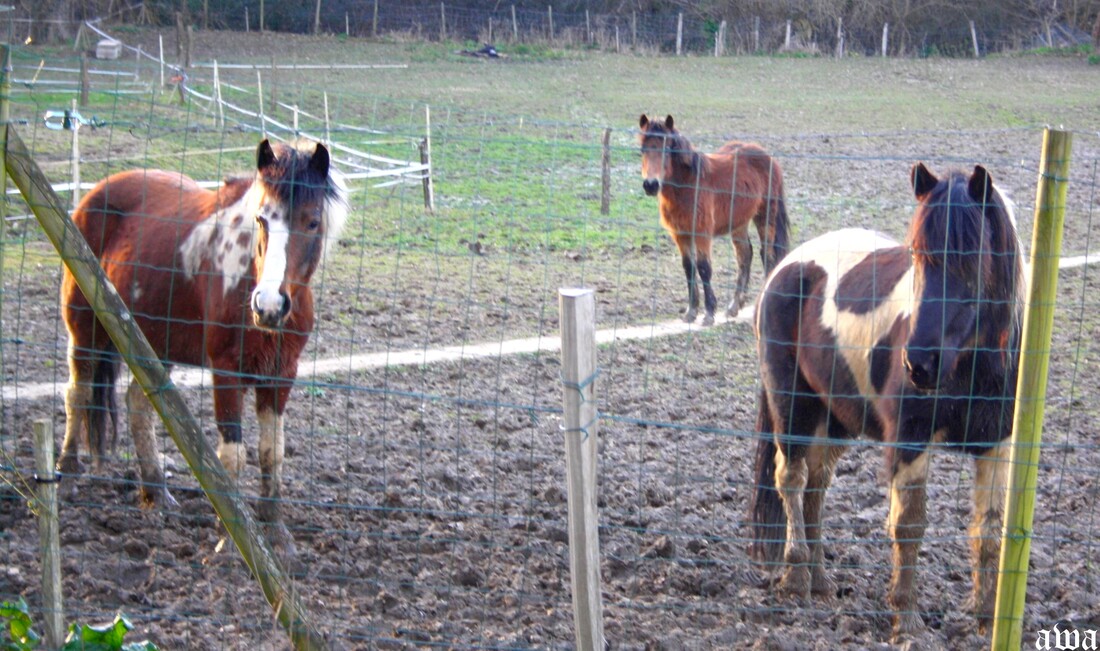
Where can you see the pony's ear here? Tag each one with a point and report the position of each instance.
(643, 121)
(320, 160)
(923, 180)
(980, 186)
(265, 156)
(668, 122)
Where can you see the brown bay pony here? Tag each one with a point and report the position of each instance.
(213, 278)
(701, 196)
(915, 345)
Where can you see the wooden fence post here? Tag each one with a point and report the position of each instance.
(787, 39)
(515, 26)
(48, 533)
(580, 423)
(974, 39)
(550, 19)
(144, 363)
(840, 37)
(426, 160)
(885, 37)
(679, 32)
(1031, 388)
(756, 33)
(442, 22)
(374, 21)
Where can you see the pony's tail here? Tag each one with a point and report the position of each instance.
(104, 404)
(781, 241)
(769, 519)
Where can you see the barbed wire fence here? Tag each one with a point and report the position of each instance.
(425, 467)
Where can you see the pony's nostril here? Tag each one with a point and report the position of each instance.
(284, 309)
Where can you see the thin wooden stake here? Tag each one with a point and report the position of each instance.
(374, 21)
(48, 534)
(550, 18)
(442, 22)
(160, 40)
(328, 129)
(974, 39)
(580, 424)
(218, 97)
(1031, 389)
(426, 161)
(787, 39)
(74, 124)
(885, 37)
(515, 25)
(260, 97)
(85, 80)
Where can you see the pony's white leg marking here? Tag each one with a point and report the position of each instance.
(272, 449)
(143, 429)
(78, 395)
(790, 481)
(267, 298)
(822, 459)
(908, 520)
(234, 457)
(991, 476)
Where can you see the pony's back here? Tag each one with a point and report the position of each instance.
(103, 214)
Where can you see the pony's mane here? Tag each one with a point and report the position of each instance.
(292, 178)
(952, 228)
(976, 240)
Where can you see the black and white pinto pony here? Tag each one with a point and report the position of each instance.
(916, 345)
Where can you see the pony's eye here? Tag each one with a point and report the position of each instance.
(314, 224)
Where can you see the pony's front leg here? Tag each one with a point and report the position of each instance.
(822, 460)
(791, 475)
(228, 399)
(908, 520)
(693, 294)
(710, 302)
(270, 404)
(990, 478)
(154, 490)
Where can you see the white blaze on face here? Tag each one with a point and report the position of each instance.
(267, 298)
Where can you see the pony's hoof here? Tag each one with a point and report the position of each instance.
(689, 316)
(708, 320)
(796, 582)
(159, 498)
(279, 536)
(906, 625)
(820, 583)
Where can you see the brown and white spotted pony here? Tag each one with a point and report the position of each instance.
(701, 196)
(214, 278)
(914, 345)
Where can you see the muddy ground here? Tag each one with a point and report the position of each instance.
(428, 502)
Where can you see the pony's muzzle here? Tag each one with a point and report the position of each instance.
(270, 311)
(923, 367)
(651, 186)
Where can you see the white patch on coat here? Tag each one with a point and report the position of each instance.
(856, 334)
(226, 240)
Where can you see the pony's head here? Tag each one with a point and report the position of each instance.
(967, 280)
(662, 148)
(300, 207)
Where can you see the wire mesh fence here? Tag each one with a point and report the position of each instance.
(423, 482)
